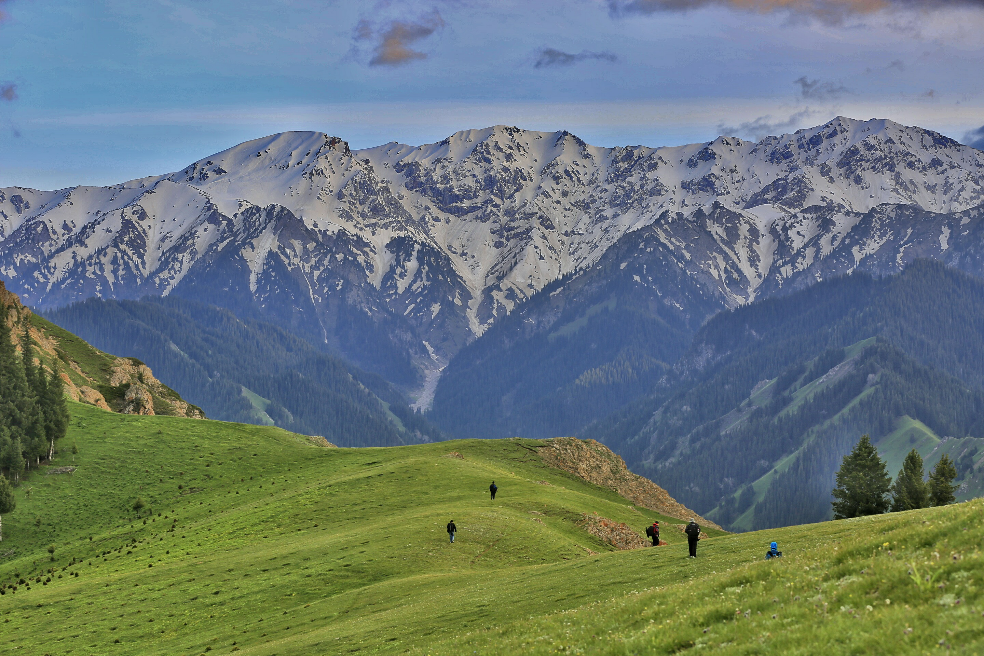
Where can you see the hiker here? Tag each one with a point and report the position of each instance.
(693, 534)
(773, 551)
(492, 489)
(451, 529)
(653, 532)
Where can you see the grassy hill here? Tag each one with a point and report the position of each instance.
(254, 540)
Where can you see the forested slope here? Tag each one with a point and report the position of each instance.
(250, 371)
(774, 393)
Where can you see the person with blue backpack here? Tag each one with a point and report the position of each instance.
(773, 551)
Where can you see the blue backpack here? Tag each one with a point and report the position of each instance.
(773, 551)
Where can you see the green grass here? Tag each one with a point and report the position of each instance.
(282, 547)
(570, 328)
(260, 405)
(909, 434)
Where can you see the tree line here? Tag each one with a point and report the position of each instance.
(864, 486)
(33, 412)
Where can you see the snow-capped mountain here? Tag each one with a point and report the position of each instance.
(400, 255)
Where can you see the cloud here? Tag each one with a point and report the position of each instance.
(830, 11)
(393, 41)
(553, 57)
(765, 126)
(8, 91)
(975, 138)
(819, 90)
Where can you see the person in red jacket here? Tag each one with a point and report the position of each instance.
(653, 532)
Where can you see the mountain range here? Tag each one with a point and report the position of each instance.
(397, 257)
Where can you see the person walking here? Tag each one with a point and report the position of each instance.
(492, 489)
(653, 532)
(451, 530)
(693, 534)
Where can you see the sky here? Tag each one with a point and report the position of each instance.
(100, 92)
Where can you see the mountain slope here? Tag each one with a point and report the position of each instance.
(119, 384)
(249, 370)
(771, 395)
(399, 256)
(270, 544)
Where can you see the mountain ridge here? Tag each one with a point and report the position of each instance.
(398, 256)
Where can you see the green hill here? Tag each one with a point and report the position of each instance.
(253, 540)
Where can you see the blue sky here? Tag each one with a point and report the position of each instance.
(101, 92)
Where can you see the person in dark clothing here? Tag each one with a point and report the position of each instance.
(653, 532)
(773, 551)
(693, 534)
(451, 530)
(492, 489)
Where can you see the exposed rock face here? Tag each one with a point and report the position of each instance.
(137, 401)
(142, 387)
(595, 463)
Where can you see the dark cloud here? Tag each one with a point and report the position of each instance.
(818, 89)
(831, 11)
(975, 138)
(765, 126)
(8, 91)
(552, 57)
(393, 41)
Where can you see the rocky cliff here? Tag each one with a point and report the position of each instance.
(123, 385)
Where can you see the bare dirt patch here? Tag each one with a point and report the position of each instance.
(596, 463)
(617, 534)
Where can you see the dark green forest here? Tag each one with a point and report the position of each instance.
(209, 356)
(33, 411)
(702, 437)
(561, 361)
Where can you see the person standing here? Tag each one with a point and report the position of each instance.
(451, 530)
(492, 489)
(693, 534)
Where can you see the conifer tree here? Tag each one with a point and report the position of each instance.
(12, 458)
(941, 487)
(862, 483)
(7, 501)
(910, 492)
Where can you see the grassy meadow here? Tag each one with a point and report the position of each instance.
(254, 540)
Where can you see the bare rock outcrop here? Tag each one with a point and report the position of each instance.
(141, 389)
(596, 463)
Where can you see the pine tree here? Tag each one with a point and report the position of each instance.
(910, 491)
(7, 501)
(862, 483)
(941, 487)
(56, 409)
(12, 458)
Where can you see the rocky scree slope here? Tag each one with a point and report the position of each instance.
(398, 256)
(123, 385)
